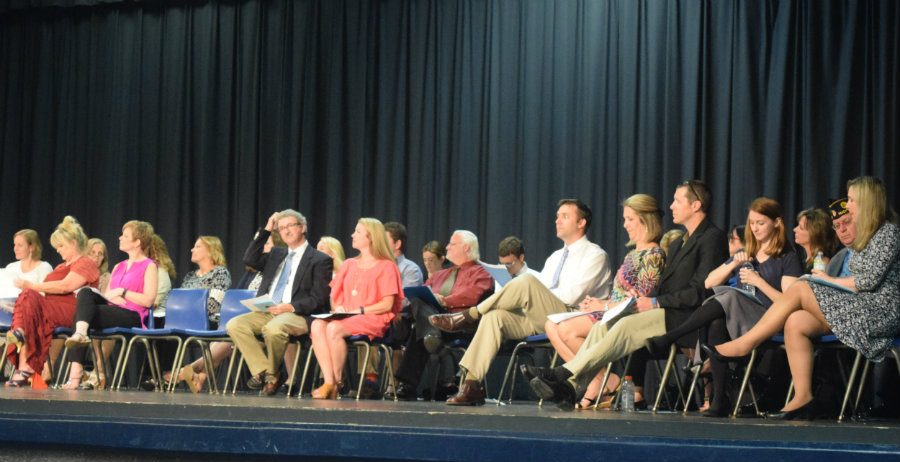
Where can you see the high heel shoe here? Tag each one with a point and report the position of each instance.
(16, 337)
(713, 353)
(326, 391)
(805, 412)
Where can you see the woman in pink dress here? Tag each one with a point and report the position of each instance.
(44, 306)
(368, 285)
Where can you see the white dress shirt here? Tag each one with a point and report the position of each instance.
(585, 272)
(295, 262)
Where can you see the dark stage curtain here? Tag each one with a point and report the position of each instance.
(204, 117)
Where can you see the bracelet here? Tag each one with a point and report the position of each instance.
(362, 309)
(124, 291)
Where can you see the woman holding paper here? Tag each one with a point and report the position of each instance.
(44, 306)
(369, 286)
(731, 312)
(639, 273)
(861, 310)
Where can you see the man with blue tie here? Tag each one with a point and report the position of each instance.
(520, 308)
(297, 278)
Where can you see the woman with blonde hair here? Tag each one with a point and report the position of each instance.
(639, 274)
(127, 301)
(211, 273)
(729, 313)
(369, 286)
(28, 265)
(44, 306)
(862, 313)
(333, 248)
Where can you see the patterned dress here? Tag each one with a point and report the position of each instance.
(640, 271)
(868, 320)
(217, 281)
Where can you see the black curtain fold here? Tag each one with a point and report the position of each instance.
(205, 117)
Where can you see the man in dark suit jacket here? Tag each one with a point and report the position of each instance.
(681, 290)
(297, 279)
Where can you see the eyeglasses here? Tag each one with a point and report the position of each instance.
(282, 228)
(841, 224)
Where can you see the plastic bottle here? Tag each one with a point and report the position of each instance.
(819, 262)
(627, 394)
(748, 287)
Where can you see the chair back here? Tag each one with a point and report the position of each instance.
(5, 318)
(231, 305)
(186, 309)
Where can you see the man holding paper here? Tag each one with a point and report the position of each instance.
(297, 280)
(579, 269)
(453, 289)
(681, 290)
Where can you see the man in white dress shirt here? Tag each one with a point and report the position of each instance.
(520, 309)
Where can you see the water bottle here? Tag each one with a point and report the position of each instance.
(748, 287)
(627, 394)
(819, 262)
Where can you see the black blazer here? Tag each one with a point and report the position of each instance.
(311, 292)
(681, 287)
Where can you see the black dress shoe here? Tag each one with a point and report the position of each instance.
(805, 412)
(405, 392)
(433, 342)
(560, 392)
(713, 353)
(445, 391)
(531, 372)
(658, 346)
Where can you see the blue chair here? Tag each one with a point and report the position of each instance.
(231, 307)
(185, 309)
(384, 344)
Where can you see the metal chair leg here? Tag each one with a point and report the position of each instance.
(850, 381)
(509, 370)
(747, 371)
(665, 378)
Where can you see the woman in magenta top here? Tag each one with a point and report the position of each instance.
(369, 285)
(44, 306)
(127, 301)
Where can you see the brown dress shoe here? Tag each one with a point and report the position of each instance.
(471, 394)
(271, 387)
(453, 322)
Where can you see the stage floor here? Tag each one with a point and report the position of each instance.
(251, 427)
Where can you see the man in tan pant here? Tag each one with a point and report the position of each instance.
(297, 278)
(521, 307)
(681, 290)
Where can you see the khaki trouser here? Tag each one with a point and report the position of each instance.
(275, 330)
(604, 344)
(518, 310)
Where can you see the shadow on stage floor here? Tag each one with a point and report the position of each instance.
(141, 426)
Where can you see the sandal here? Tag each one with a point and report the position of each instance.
(187, 374)
(25, 381)
(77, 340)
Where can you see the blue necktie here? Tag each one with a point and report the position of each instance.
(283, 278)
(562, 261)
